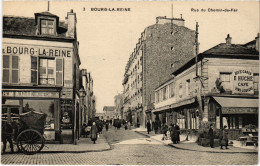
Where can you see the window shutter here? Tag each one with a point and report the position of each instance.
(6, 67)
(15, 69)
(59, 71)
(34, 71)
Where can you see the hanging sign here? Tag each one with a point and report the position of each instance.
(243, 82)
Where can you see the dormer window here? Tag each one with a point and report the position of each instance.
(47, 27)
(46, 23)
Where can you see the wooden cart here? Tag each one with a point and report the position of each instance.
(30, 139)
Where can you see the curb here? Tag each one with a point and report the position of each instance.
(192, 149)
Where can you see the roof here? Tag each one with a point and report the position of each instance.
(109, 108)
(13, 25)
(46, 14)
(226, 49)
(223, 50)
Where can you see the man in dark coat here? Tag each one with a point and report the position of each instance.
(7, 132)
(155, 127)
(177, 133)
(148, 125)
(173, 133)
(211, 136)
(107, 124)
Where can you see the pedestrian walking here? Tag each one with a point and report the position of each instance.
(224, 138)
(155, 127)
(211, 136)
(177, 133)
(94, 132)
(7, 133)
(173, 133)
(164, 130)
(148, 125)
(107, 125)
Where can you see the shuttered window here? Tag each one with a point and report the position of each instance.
(59, 71)
(10, 69)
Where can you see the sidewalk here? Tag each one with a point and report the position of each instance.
(83, 145)
(192, 146)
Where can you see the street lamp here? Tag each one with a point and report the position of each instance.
(82, 94)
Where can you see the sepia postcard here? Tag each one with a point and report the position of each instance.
(130, 82)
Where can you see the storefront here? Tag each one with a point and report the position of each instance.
(45, 101)
(234, 112)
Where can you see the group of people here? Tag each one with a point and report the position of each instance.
(94, 128)
(223, 137)
(173, 130)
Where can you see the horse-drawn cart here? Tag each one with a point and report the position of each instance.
(30, 139)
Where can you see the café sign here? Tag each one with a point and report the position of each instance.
(36, 51)
(243, 82)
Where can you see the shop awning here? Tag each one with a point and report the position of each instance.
(237, 105)
(162, 108)
(175, 105)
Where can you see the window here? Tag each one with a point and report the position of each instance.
(47, 27)
(225, 78)
(256, 81)
(172, 93)
(157, 97)
(188, 87)
(164, 93)
(10, 69)
(47, 71)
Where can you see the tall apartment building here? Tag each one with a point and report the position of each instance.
(161, 49)
(118, 100)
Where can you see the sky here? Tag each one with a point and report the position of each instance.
(107, 38)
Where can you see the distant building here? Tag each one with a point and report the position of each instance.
(161, 49)
(223, 92)
(109, 112)
(118, 99)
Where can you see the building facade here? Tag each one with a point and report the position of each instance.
(41, 70)
(109, 112)
(221, 88)
(161, 49)
(118, 100)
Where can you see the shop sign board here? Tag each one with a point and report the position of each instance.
(243, 82)
(247, 110)
(37, 51)
(30, 94)
(66, 93)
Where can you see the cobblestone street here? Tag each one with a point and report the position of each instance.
(130, 148)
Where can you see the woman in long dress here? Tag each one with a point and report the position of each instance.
(94, 132)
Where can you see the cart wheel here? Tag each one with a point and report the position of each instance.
(30, 141)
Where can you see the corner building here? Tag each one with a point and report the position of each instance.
(161, 49)
(221, 88)
(41, 71)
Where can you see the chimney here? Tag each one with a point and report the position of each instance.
(228, 40)
(72, 21)
(257, 42)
